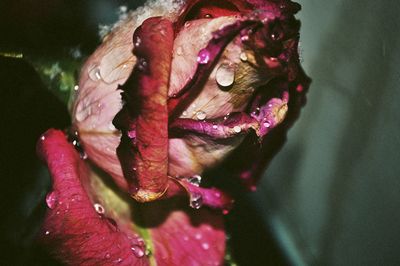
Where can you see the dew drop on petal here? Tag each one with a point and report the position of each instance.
(201, 115)
(99, 208)
(195, 180)
(142, 64)
(107, 256)
(237, 129)
(179, 50)
(47, 233)
(205, 246)
(244, 38)
(243, 56)
(185, 113)
(42, 137)
(94, 73)
(196, 200)
(267, 124)
(51, 199)
(76, 88)
(225, 75)
(215, 127)
(203, 56)
(137, 251)
(137, 42)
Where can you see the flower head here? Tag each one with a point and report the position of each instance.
(174, 90)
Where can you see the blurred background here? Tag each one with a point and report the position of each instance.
(330, 197)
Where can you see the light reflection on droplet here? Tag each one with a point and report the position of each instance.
(51, 199)
(200, 115)
(243, 56)
(205, 246)
(137, 251)
(203, 56)
(196, 200)
(225, 75)
(99, 208)
(195, 180)
(94, 73)
(237, 129)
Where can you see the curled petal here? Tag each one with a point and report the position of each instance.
(73, 230)
(143, 120)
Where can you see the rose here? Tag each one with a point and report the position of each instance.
(202, 79)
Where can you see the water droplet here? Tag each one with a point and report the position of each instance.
(107, 256)
(201, 115)
(225, 75)
(83, 155)
(195, 180)
(187, 24)
(51, 199)
(42, 137)
(94, 73)
(47, 233)
(207, 16)
(179, 50)
(119, 260)
(76, 88)
(137, 251)
(237, 129)
(215, 127)
(203, 56)
(205, 246)
(137, 42)
(243, 56)
(196, 200)
(185, 113)
(267, 124)
(99, 208)
(244, 38)
(142, 64)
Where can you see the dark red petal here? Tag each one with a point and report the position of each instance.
(231, 126)
(143, 120)
(72, 230)
(183, 236)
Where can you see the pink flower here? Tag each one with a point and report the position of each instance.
(197, 84)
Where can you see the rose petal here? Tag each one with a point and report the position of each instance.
(144, 155)
(72, 230)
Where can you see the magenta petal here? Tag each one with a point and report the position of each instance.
(72, 230)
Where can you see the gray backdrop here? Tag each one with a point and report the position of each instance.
(332, 195)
